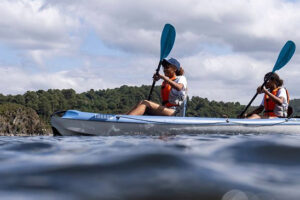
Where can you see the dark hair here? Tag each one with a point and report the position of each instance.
(180, 72)
(274, 77)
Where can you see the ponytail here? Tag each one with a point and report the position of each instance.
(180, 72)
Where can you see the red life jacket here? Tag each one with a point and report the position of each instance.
(269, 104)
(165, 93)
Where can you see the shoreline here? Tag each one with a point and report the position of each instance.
(24, 134)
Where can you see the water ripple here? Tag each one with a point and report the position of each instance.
(212, 166)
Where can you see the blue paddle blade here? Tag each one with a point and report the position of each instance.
(285, 55)
(167, 41)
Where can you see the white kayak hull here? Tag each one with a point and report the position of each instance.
(82, 123)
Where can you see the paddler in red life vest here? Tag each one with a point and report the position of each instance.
(173, 92)
(276, 99)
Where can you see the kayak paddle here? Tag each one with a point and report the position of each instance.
(166, 44)
(284, 57)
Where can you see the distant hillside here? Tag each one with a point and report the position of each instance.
(118, 100)
(19, 120)
(295, 103)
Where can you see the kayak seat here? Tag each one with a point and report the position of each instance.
(290, 111)
(182, 110)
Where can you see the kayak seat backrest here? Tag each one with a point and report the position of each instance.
(182, 111)
(290, 111)
(184, 108)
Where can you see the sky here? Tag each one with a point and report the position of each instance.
(225, 47)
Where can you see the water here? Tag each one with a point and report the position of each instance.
(223, 167)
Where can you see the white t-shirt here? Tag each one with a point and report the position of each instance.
(178, 97)
(280, 110)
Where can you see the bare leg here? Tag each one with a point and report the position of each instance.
(254, 116)
(153, 108)
(132, 110)
(138, 109)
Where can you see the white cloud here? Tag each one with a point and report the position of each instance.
(39, 31)
(225, 47)
(244, 25)
(19, 81)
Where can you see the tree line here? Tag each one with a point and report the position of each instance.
(117, 101)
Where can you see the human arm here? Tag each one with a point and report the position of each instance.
(278, 100)
(176, 86)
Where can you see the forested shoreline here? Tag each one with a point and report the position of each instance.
(116, 101)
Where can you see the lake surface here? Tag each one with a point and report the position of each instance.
(204, 166)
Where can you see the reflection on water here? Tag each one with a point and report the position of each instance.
(224, 167)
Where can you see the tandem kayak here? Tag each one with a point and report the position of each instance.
(73, 122)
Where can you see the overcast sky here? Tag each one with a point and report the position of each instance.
(225, 47)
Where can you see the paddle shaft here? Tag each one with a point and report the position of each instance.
(153, 83)
(249, 104)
